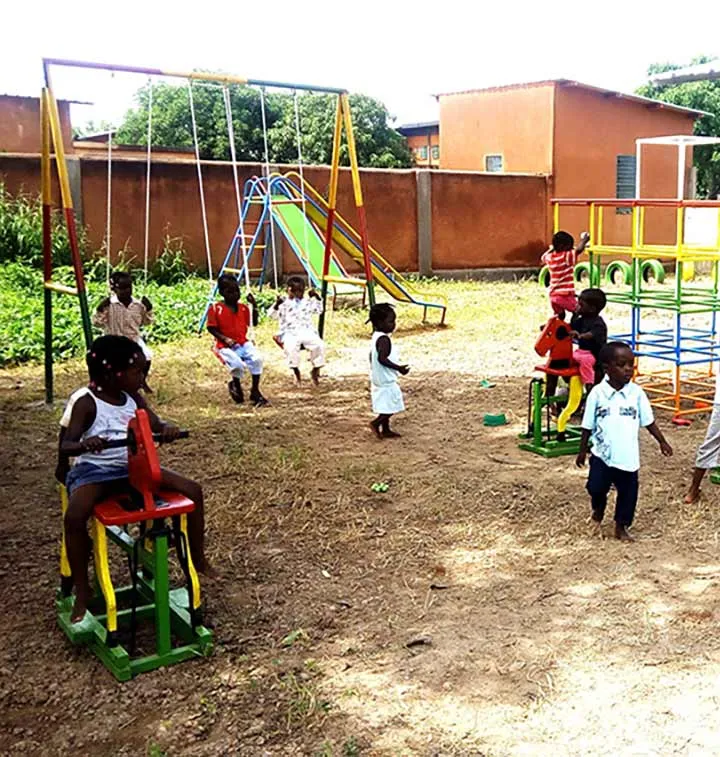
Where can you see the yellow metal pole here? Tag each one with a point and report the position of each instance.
(357, 191)
(556, 217)
(332, 204)
(47, 241)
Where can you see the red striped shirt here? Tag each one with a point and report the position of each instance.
(562, 270)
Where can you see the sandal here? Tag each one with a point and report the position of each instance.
(236, 394)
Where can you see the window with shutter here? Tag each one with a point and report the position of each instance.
(625, 172)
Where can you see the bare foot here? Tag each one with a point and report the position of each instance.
(315, 376)
(692, 496)
(375, 426)
(80, 605)
(391, 434)
(622, 533)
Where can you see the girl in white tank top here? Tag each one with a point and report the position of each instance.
(116, 365)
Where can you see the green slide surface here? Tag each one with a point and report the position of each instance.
(307, 244)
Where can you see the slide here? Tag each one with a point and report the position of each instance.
(348, 240)
(307, 244)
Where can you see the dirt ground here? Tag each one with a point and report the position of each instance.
(532, 635)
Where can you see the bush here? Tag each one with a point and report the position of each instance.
(21, 231)
(177, 310)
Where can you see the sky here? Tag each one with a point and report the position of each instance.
(399, 52)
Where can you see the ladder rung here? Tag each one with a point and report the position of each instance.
(60, 288)
(256, 270)
(227, 269)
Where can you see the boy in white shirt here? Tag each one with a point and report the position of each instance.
(615, 410)
(297, 329)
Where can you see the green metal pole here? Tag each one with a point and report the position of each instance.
(537, 412)
(162, 595)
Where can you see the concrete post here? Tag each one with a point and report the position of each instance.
(75, 178)
(423, 184)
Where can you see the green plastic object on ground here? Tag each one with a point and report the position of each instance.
(380, 487)
(495, 420)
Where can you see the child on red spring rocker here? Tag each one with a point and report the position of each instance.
(589, 332)
(561, 258)
(297, 329)
(228, 321)
(116, 366)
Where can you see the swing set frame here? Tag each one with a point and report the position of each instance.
(53, 149)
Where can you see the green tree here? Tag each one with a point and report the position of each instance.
(378, 144)
(700, 95)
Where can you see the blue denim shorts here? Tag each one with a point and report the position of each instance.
(87, 473)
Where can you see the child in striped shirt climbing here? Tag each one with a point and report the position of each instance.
(560, 259)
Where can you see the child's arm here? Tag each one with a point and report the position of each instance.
(100, 316)
(147, 316)
(316, 305)
(83, 415)
(584, 241)
(647, 420)
(588, 424)
(656, 434)
(255, 310)
(584, 442)
(274, 310)
(383, 347)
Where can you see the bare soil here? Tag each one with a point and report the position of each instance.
(470, 610)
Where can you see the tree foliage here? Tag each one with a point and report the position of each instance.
(700, 95)
(378, 144)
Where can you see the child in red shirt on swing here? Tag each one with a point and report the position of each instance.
(228, 321)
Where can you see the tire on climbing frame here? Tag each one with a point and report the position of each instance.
(544, 277)
(619, 267)
(653, 269)
(582, 272)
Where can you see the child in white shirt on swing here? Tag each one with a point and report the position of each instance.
(297, 328)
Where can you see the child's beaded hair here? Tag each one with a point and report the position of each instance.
(118, 277)
(110, 355)
(379, 312)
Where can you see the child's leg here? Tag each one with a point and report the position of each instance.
(598, 485)
(253, 360)
(316, 347)
(626, 484)
(586, 363)
(708, 455)
(233, 362)
(196, 519)
(292, 344)
(380, 425)
(77, 542)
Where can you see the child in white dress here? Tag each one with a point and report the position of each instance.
(387, 397)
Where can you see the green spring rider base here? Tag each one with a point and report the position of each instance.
(115, 616)
(542, 437)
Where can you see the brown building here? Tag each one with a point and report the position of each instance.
(582, 137)
(424, 141)
(20, 124)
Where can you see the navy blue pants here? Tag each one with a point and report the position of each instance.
(601, 478)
